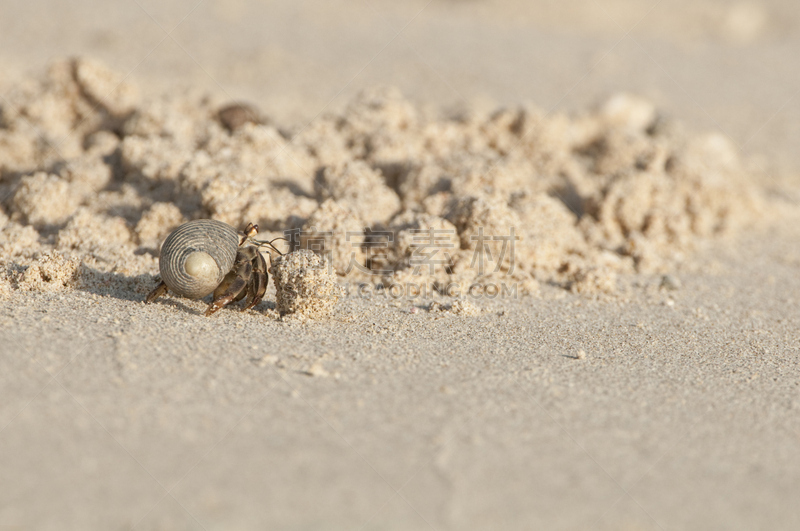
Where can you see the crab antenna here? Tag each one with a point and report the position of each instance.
(261, 243)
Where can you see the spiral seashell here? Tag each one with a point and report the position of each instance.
(196, 256)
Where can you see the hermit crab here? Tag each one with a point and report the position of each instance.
(205, 256)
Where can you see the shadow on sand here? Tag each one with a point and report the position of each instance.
(136, 288)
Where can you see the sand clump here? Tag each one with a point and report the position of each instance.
(306, 285)
(387, 193)
(44, 199)
(336, 232)
(48, 272)
(359, 187)
(94, 233)
(16, 240)
(414, 254)
(460, 306)
(156, 223)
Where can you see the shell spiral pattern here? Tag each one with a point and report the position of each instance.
(196, 256)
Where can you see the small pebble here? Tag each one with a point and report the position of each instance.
(670, 282)
(317, 370)
(235, 115)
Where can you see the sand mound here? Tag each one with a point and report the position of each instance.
(388, 194)
(306, 285)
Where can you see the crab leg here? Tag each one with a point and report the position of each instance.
(160, 291)
(231, 289)
(258, 282)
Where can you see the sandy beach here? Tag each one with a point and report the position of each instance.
(642, 375)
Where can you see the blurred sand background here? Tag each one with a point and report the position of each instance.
(683, 413)
(717, 65)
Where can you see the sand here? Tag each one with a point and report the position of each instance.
(391, 195)
(642, 374)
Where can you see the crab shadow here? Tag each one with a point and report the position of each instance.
(179, 304)
(113, 284)
(136, 288)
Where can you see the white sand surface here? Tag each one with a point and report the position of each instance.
(645, 409)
